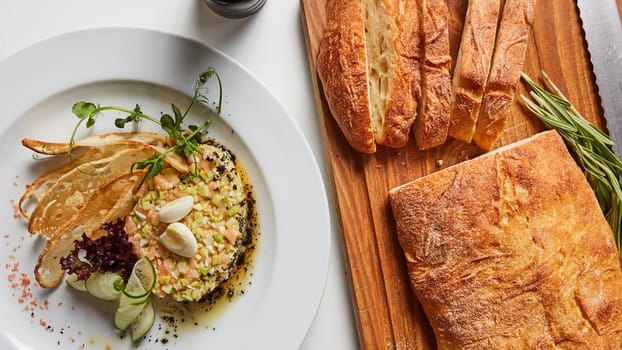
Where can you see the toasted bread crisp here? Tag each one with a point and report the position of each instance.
(41, 186)
(112, 138)
(72, 190)
(157, 142)
(111, 201)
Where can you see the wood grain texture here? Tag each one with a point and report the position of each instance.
(387, 313)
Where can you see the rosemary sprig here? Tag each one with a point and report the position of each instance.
(186, 140)
(591, 147)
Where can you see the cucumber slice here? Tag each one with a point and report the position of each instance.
(105, 285)
(135, 296)
(72, 281)
(143, 322)
(127, 312)
(141, 281)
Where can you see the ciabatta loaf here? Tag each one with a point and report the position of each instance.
(368, 63)
(430, 127)
(472, 66)
(504, 75)
(511, 251)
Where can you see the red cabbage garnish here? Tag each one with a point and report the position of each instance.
(112, 252)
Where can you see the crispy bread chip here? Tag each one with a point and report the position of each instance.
(72, 190)
(112, 138)
(157, 141)
(112, 201)
(40, 187)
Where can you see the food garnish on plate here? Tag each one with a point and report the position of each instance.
(131, 215)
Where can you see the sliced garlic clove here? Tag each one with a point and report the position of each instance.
(176, 209)
(179, 240)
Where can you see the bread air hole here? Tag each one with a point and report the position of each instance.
(378, 26)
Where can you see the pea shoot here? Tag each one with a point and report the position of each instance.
(186, 141)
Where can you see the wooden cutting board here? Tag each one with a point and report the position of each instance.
(387, 313)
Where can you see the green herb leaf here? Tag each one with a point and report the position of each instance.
(84, 110)
(168, 124)
(185, 142)
(178, 116)
(153, 164)
(90, 122)
(120, 122)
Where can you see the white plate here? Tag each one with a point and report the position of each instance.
(125, 66)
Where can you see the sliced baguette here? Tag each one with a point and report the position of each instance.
(504, 76)
(368, 63)
(432, 123)
(342, 68)
(393, 59)
(472, 66)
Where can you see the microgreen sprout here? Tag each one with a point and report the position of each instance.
(186, 140)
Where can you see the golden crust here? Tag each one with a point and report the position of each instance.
(369, 66)
(111, 201)
(404, 74)
(132, 139)
(510, 250)
(504, 76)
(432, 123)
(41, 185)
(472, 66)
(72, 190)
(99, 140)
(342, 68)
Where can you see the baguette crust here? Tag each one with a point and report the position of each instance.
(432, 123)
(369, 65)
(342, 68)
(504, 77)
(404, 72)
(511, 251)
(472, 66)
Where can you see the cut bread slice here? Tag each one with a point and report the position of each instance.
(473, 66)
(368, 63)
(73, 189)
(109, 202)
(393, 60)
(432, 123)
(342, 68)
(504, 76)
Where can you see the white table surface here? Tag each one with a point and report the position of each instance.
(270, 44)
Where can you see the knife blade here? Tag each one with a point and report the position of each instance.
(603, 33)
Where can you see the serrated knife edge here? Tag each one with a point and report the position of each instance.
(603, 33)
